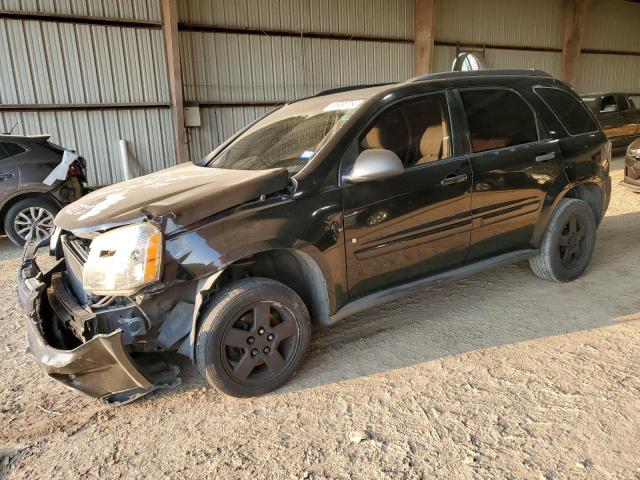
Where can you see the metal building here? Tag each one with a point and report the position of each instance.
(91, 72)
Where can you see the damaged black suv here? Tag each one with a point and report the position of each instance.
(323, 208)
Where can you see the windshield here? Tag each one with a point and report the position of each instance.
(292, 135)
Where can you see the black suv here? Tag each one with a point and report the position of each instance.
(30, 194)
(323, 208)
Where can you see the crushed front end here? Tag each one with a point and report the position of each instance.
(92, 344)
(632, 166)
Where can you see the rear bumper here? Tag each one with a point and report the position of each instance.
(101, 367)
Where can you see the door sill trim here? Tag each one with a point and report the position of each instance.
(404, 290)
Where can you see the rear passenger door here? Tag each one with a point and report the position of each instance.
(611, 120)
(10, 156)
(514, 164)
(628, 118)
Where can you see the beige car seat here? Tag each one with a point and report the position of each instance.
(434, 143)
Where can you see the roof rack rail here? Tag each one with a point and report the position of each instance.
(480, 73)
(350, 87)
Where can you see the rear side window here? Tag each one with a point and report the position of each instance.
(12, 148)
(498, 119)
(573, 115)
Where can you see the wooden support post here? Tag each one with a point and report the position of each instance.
(574, 16)
(424, 14)
(169, 9)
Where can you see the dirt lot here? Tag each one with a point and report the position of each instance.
(498, 376)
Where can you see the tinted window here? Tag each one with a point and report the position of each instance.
(416, 130)
(573, 115)
(608, 104)
(622, 102)
(3, 153)
(12, 148)
(497, 119)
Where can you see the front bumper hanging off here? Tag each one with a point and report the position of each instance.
(101, 367)
(631, 173)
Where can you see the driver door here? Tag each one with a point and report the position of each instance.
(416, 223)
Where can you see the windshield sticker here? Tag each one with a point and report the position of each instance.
(307, 154)
(346, 105)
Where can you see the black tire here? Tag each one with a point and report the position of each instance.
(243, 329)
(567, 246)
(35, 203)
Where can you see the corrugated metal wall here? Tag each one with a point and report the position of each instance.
(241, 57)
(509, 22)
(611, 25)
(95, 134)
(519, 23)
(124, 9)
(537, 26)
(243, 68)
(67, 64)
(385, 18)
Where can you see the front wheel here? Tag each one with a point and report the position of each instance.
(568, 244)
(253, 337)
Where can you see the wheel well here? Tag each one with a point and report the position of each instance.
(295, 269)
(22, 196)
(592, 195)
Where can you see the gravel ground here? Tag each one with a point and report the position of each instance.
(501, 375)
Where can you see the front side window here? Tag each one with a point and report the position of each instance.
(498, 119)
(608, 104)
(416, 130)
(571, 113)
(292, 135)
(12, 148)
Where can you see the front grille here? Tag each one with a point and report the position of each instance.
(76, 252)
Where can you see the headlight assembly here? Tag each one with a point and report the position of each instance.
(123, 260)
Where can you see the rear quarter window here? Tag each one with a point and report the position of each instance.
(570, 111)
(12, 148)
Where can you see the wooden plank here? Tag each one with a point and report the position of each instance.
(78, 19)
(271, 32)
(574, 17)
(64, 107)
(169, 10)
(425, 24)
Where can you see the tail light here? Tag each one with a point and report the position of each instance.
(78, 169)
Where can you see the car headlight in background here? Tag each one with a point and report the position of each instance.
(123, 260)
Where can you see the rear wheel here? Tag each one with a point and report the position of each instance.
(253, 337)
(31, 218)
(568, 244)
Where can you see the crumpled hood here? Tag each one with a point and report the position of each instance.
(187, 192)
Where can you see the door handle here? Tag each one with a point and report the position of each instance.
(453, 179)
(543, 157)
(5, 175)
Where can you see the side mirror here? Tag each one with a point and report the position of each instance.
(375, 164)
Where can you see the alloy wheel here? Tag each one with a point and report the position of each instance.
(33, 223)
(573, 241)
(260, 344)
